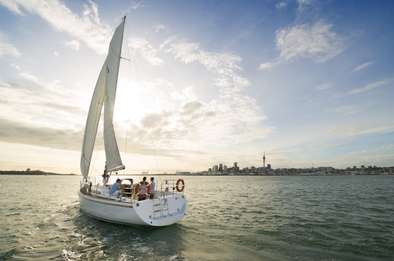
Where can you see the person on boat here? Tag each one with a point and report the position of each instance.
(136, 189)
(105, 176)
(115, 188)
(143, 189)
(152, 188)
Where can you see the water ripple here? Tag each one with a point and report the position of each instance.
(229, 218)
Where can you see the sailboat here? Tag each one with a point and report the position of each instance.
(164, 206)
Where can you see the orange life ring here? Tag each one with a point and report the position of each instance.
(180, 185)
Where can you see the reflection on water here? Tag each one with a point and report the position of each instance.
(229, 218)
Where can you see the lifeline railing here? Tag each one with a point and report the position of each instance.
(164, 187)
(174, 186)
(167, 188)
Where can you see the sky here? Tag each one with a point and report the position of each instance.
(310, 83)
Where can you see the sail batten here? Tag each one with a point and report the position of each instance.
(104, 96)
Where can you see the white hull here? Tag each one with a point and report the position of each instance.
(151, 212)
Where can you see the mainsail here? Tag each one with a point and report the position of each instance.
(104, 94)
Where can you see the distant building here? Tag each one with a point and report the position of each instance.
(264, 160)
(215, 168)
(220, 167)
(236, 168)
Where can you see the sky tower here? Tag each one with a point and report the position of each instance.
(264, 160)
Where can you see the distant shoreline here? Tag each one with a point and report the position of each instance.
(43, 173)
(33, 173)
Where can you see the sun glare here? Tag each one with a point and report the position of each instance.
(132, 102)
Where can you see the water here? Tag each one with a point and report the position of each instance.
(229, 218)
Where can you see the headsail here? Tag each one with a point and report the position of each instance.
(104, 93)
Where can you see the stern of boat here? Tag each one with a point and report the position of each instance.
(164, 210)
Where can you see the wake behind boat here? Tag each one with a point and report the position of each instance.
(134, 204)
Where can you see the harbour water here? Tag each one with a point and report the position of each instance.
(229, 218)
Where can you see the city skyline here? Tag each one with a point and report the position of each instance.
(307, 82)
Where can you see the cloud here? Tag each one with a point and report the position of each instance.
(324, 86)
(363, 130)
(177, 119)
(369, 87)
(73, 44)
(303, 4)
(232, 117)
(223, 63)
(71, 139)
(192, 107)
(55, 53)
(16, 132)
(30, 77)
(159, 27)
(142, 47)
(154, 120)
(281, 4)
(362, 66)
(11, 5)
(317, 42)
(36, 112)
(266, 66)
(171, 129)
(32, 101)
(135, 4)
(347, 110)
(15, 66)
(86, 27)
(7, 49)
(188, 125)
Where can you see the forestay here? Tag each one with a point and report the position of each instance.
(104, 94)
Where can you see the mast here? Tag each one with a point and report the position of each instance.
(104, 95)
